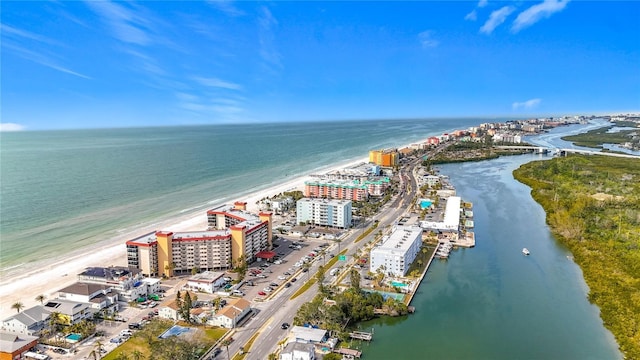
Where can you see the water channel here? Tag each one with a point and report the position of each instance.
(491, 301)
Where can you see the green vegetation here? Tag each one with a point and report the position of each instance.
(145, 343)
(593, 207)
(471, 151)
(595, 138)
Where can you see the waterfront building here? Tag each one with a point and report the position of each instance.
(384, 158)
(397, 251)
(336, 189)
(128, 282)
(308, 335)
(298, 351)
(14, 346)
(99, 297)
(70, 312)
(323, 212)
(30, 321)
(451, 220)
(208, 281)
(233, 233)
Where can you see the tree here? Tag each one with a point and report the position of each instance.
(306, 267)
(332, 356)
(169, 269)
(195, 270)
(41, 298)
(137, 355)
(185, 309)
(354, 276)
(18, 306)
(241, 267)
(226, 342)
(320, 278)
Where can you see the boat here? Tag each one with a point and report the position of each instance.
(525, 251)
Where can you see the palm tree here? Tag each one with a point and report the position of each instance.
(137, 355)
(99, 346)
(41, 298)
(18, 306)
(226, 342)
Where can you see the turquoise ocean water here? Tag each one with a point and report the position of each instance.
(67, 190)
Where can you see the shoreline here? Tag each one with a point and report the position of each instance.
(25, 281)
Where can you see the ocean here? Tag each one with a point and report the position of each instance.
(67, 190)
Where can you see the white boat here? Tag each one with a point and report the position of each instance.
(525, 251)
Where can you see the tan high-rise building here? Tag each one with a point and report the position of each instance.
(233, 233)
(386, 158)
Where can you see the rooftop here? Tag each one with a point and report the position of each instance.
(10, 342)
(81, 288)
(308, 334)
(400, 239)
(207, 276)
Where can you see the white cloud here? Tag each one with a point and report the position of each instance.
(482, 3)
(472, 16)
(215, 82)
(227, 7)
(124, 23)
(537, 12)
(11, 127)
(41, 59)
(529, 104)
(427, 40)
(268, 51)
(496, 18)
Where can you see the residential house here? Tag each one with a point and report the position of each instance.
(298, 351)
(13, 346)
(30, 321)
(230, 315)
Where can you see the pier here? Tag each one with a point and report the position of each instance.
(361, 335)
(348, 352)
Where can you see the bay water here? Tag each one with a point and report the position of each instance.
(491, 301)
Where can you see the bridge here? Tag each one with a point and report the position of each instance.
(556, 151)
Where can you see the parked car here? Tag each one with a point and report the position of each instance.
(273, 284)
(282, 277)
(262, 293)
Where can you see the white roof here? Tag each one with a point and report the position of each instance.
(451, 216)
(400, 239)
(308, 334)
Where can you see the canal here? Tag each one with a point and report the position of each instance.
(491, 301)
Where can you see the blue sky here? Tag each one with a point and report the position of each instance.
(75, 64)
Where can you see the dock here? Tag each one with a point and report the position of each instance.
(361, 335)
(349, 352)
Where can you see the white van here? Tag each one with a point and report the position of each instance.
(334, 272)
(237, 292)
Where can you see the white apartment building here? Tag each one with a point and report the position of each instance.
(397, 251)
(323, 212)
(451, 221)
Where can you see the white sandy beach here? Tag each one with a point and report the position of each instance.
(54, 274)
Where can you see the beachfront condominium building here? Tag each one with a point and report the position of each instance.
(233, 233)
(323, 212)
(356, 190)
(397, 251)
(384, 158)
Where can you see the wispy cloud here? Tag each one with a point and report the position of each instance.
(125, 24)
(5, 127)
(217, 83)
(538, 12)
(529, 104)
(268, 50)
(496, 18)
(472, 16)
(427, 40)
(36, 52)
(227, 7)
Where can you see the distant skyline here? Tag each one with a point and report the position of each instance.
(99, 64)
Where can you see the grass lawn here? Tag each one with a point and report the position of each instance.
(139, 341)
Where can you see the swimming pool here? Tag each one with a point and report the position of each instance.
(73, 337)
(175, 330)
(425, 203)
(398, 284)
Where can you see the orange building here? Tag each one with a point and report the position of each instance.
(233, 233)
(386, 158)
